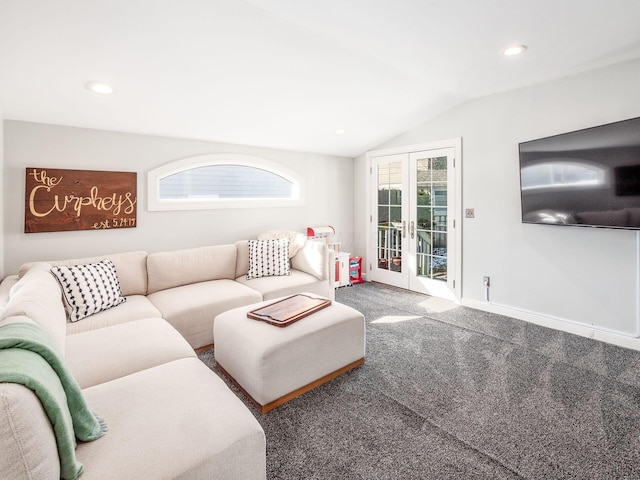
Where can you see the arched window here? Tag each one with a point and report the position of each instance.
(223, 181)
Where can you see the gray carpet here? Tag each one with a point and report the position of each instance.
(452, 392)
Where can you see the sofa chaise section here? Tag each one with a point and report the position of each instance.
(178, 421)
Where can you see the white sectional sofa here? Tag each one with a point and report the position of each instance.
(188, 288)
(169, 416)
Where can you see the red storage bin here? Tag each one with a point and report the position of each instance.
(355, 269)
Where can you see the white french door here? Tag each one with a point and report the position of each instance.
(413, 242)
(389, 220)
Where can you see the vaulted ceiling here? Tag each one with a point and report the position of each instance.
(288, 73)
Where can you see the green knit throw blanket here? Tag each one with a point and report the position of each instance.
(27, 357)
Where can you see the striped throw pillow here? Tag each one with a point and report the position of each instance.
(88, 289)
(268, 258)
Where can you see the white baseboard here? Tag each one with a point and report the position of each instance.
(556, 323)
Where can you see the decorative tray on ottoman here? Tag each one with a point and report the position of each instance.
(289, 310)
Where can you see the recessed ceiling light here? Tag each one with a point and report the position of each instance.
(514, 50)
(99, 87)
(341, 131)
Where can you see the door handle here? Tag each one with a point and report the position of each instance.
(412, 228)
(404, 229)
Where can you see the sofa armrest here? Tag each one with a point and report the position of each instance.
(316, 259)
(37, 295)
(5, 289)
(331, 266)
(27, 443)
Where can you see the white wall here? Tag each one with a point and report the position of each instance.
(577, 275)
(1, 193)
(329, 194)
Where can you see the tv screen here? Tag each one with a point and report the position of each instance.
(589, 177)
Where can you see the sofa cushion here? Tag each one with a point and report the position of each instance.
(130, 266)
(27, 442)
(135, 308)
(88, 288)
(37, 296)
(297, 282)
(178, 420)
(268, 258)
(184, 267)
(130, 347)
(192, 308)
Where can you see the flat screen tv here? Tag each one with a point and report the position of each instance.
(588, 178)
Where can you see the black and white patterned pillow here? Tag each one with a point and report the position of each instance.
(89, 289)
(268, 258)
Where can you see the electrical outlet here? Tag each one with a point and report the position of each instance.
(486, 281)
(470, 213)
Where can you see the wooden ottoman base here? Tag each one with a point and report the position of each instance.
(296, 393)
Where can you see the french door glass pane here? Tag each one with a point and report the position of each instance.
(431, 221)
(390, 216)
(383, 197)
(423, 253)
(395, 196)
(383, 215)
(439, 259)
(424, 196)
(395, 215)
(423, 219)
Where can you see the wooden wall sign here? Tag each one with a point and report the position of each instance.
(64, 200)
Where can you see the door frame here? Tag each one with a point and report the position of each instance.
(456, 145)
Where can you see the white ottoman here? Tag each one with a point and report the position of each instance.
(273, 365)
